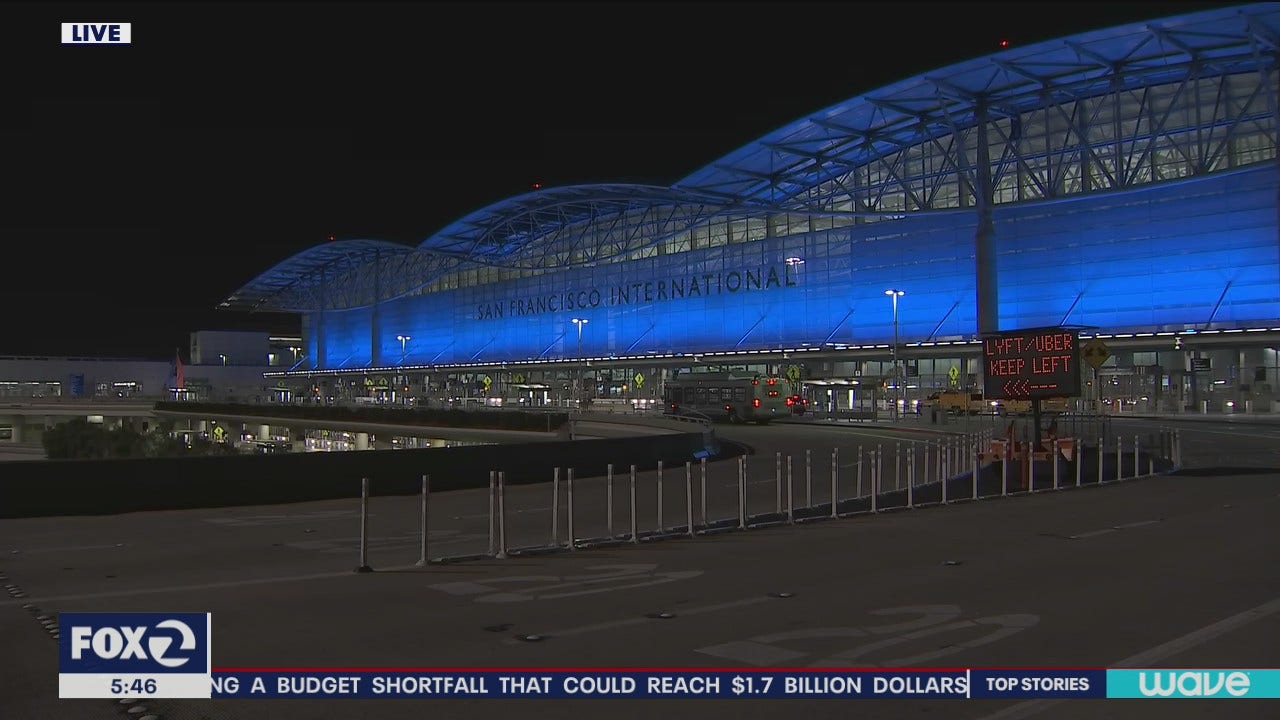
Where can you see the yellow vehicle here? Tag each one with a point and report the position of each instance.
(958, 402)
(1048, 406)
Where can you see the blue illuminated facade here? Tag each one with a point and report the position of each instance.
(1156, 259)
(1125, 181)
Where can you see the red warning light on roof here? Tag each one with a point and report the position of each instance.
(537, 186)
(1004, 43)
(330, 238)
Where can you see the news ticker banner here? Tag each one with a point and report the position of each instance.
(146, 655)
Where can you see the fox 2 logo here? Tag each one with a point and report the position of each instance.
(135, 643)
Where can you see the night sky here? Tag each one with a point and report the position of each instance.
(144, 184)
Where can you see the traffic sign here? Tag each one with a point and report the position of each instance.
(519, 378)
(953, 373)
(488, 381)
(1095, 353)
(793, 373)
(639, 378)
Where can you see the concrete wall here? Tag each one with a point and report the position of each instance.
(102, 487)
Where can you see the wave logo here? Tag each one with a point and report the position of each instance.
(1193, 684)
(135, 642)
(1221, 683)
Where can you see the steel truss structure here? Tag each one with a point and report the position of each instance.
(1104, 112)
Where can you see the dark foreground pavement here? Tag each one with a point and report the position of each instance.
(1106, 576)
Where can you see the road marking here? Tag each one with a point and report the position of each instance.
(638, 620)
(291, 519)
(1113, 528)
(183, 588)
(1155, 654)
(1095, 533)
(1142, 523)
(935, 620)
(621, 577)
(113, 546)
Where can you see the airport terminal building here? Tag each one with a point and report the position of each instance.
(1124, 182)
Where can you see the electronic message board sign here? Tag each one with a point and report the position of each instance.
(1030, 364)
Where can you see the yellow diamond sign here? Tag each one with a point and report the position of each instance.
(1095, 353)
(954, 373)
(488, 381)
(793, 373)
(639, 381)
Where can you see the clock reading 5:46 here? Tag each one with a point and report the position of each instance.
(138, 686)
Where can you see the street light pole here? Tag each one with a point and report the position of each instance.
(582, 372)
(897, 376)
(403, 339)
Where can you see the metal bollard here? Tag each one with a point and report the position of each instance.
(364, 527)
(874, 479)
(835, 485)
(944, 490)
(791, 516)
(777, 478)
(977, 470)
(1056, 471)
(688, 494)
(879, 469)
(1031, 470)
(660, 528)
(573, 544)
(897, 465)
(742, 492)
(1101, 449)
(493, 513)
(426, 491)
(808, 478)
(1151, 465)
(1005, 457)
(859, 494)
(502, 516)
(1119, 458)
(608, 498)
(635, 537)
(910, 496)
(911, 464)
(555, 507)
(704, 492)
(1076, 448)
(1135, 455)
(1177, 447)
(924, 469)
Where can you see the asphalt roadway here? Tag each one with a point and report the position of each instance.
(1168, 571)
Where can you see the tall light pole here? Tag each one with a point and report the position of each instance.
(295, 353)
(582, 372)
(224, 359)
(403, 339)
(897, 378)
